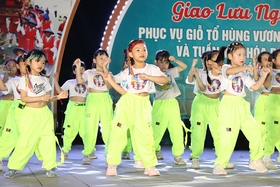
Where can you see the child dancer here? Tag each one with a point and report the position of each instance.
(272, 108)
(36, 125)
(10, 135)
(99, 105)
(75, 111)
(165, 104)
(133, 110)
(234, 110)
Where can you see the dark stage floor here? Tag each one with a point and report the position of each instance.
(73, 174)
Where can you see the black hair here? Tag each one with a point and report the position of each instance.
(82, 65)
(99, 51)
(37, 54)
(209, 56)
(163, 54)
(9, 60)
(20, 58)
(274, 55)
(261, 54)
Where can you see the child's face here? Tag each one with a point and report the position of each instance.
(276, 61)
(82, 70)
(139, 52)
(99, 60)
(11, 66)
(237, 57)
(22, 67)
(264, 60)
(163, 64)
(37, 65)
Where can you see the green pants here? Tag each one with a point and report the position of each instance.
(10, 134)
(235, 115)
(36, 131)
(259, 116)
(132, 113)
(73, 123)
(204, 111)
(272, 123)
(99, 108)
(166, 115)
(128, 148)
(4, 108)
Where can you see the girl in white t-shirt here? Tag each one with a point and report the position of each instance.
(75, 110)
(272, 108)
(133, 110)
(36, 125)
(234, 111)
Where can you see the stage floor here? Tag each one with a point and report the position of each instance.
(73, 174)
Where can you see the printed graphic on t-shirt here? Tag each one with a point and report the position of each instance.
(237, 84)
(277, 77)
(38, 88)
(80, 88)
(124, 84)
(165, 86)
(137, 83)
(215, 85)
(98, 81)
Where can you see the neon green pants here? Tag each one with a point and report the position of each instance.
(259, 116)
(36, 131)
(128, 148)
(132, 113)
(10, 135)
(166, 115)
(4, 108)
(272, 123)
(204, 111)
(73, 123)
(99, 108)
(235, 115)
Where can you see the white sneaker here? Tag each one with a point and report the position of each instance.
(258, 166)
(151, 172)
(195, 163)
(138, 164)
(86, 160)
(126, 156)
(229, 166)
(219, 170)
(159, 155)
(1, 165)
(111, 170)
(268, 164)
(278, 158)
(92, 156)
(10, 45)
(178, 160)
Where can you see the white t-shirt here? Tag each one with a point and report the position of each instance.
(169, 90)
(12, 85)
(262, 88)
(94, 80)
(133, 84)
(74, 88)
(235, 83)
(275, 81)
(216, 83)
(194, 82)
(4, 92)
(40, 85)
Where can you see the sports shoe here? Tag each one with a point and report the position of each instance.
(178, 160)
(111, 170)
(229, 166)
(138, 164)
(126, 156)
(10, 174)
(151, 171)
(268, 164)
(86, 160)
(258, 166)
(92, 156)
(219, 170)
(65, 155)
(1, 165)
(195, 163)
(278, 158)
(10, 45)
(159, 155)
(51, 173)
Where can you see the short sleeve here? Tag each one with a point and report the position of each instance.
(66, 86)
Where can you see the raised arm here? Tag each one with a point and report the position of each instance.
(79, 77)
(234, 70)
(56, 85)
(181, 65)
(265, 72)
(191, 72)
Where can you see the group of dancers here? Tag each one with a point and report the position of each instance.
(136, 123)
